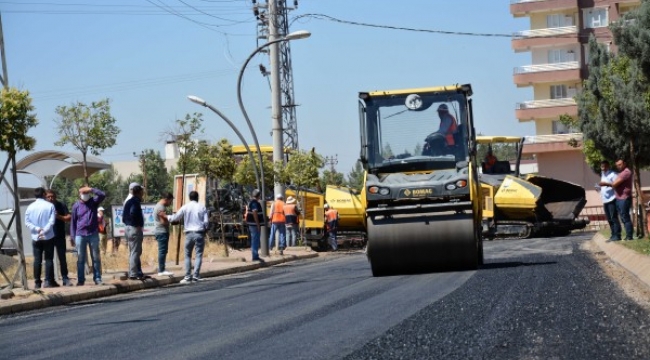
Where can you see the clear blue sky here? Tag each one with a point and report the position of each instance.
(147, 61)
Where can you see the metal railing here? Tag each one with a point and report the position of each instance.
(534, 104)
(564, 30)
(569, 65)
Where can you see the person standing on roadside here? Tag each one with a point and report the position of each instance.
(131, 187)
(291, 214)
(623, 193)
(134, 220)
(278, 222)
(39, 219)
(101, 229)
(331, 225)
(195, 217)
(161, 232)
(255, 222)
(62, 216)
(607, 175)
(84, 231)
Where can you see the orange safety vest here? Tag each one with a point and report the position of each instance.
(278, 212)
(331, 215)
(290, 214)
(450, 132)
(490, 160)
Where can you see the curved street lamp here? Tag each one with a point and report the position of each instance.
(301, 34)
(198, 100)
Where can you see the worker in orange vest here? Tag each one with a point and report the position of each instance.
(490, 161)
(331, 225)
(291, 213)
(278, 221)
(437, 142)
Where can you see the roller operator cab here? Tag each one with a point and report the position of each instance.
(421, 190)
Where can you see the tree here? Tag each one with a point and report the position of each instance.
(302, 171)
(216, 161)
(331, 177)
(613, 110)
(355, 176)
(89, 128)
(16, 118)
(244, 174)
(158, 182)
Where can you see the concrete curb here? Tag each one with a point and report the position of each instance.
(20, 303)
(635, 263)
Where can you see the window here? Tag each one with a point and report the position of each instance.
(558, 91)
(558, 20)
(560, 128)
(553, 20)
(595, 18)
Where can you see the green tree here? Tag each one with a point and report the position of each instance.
(613, 110)
(16, 118)
(185, 133)
(89, 128)
(244, 174)
(331, 177)
(355, 176)
(387, 152)
(158, 179)
(217, 161)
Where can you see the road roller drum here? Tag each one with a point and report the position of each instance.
(424, 243)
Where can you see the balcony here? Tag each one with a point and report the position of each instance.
(550, 143)
(519, 8)
(558, 36)
(549, 108)
(540, 73)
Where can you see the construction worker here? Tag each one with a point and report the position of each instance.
(331, 225)
(444, 137)
(278, 221)
(291, 213)
(489, 161)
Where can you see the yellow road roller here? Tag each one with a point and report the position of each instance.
(421, 191)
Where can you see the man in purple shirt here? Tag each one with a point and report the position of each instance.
(84, 231)
(623, 194)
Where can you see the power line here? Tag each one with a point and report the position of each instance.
(441, 32)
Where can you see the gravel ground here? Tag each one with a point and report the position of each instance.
(540, 306)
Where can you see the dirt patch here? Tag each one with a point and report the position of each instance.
(630, 284)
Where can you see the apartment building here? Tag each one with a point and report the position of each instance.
(557, 40)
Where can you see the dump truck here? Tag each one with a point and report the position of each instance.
(519, 205)
(421, 195)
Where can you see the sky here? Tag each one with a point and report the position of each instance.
(147, 56)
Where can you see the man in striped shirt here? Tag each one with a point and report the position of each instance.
(84, 231)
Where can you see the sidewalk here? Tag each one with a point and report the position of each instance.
(17, 300)
(635, 263)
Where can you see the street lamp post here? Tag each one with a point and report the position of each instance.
(301, 34)
(198, 100)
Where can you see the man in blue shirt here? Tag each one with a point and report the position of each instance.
(134, 221)
(607, 175)
(39, 219)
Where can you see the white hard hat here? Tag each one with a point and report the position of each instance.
(326, 206)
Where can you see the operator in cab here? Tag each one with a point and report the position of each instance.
(489, 162)
(444, 136)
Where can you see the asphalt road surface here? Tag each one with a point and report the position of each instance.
(534, 299)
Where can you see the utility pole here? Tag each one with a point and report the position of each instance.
(276, 101)
(331, 161)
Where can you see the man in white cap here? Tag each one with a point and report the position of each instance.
(291, 213)
(278, 222)
(131, 186)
